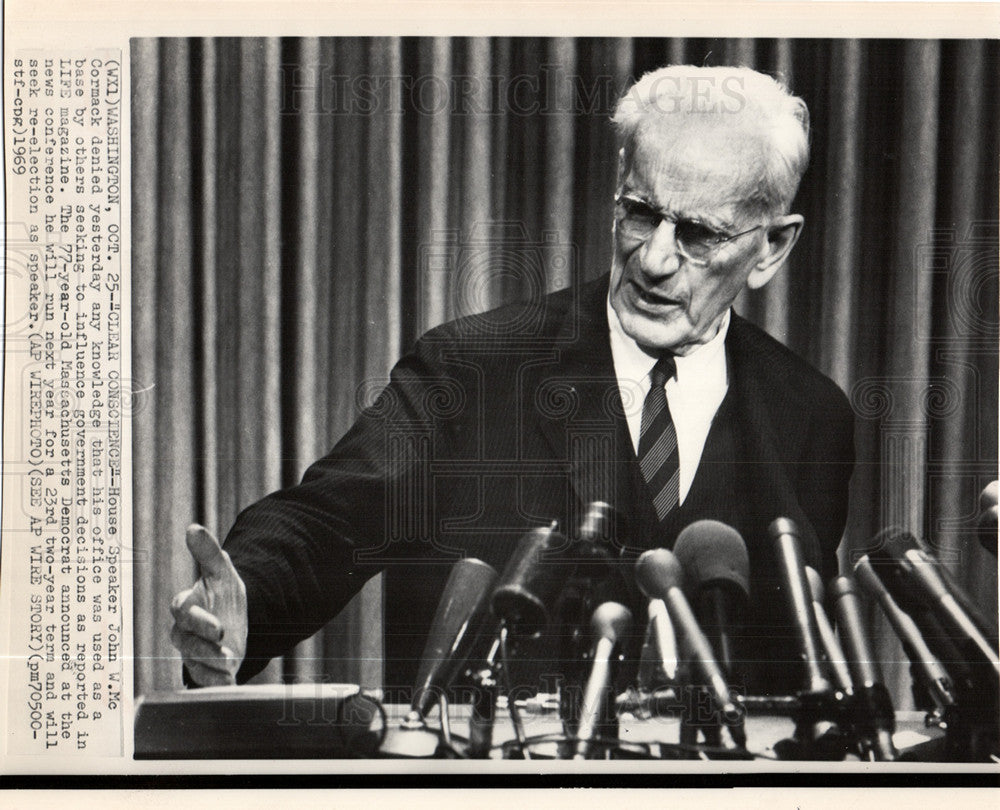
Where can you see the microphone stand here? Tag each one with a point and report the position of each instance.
(692, 720)
(972, 725)
(487, 688)
(819, 719)
(832, 723)
(575, 606)
(515, 713)
(488, 681)
(711, 609)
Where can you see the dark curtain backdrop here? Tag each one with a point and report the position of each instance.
(303, 209)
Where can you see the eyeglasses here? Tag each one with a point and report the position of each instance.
(695, 240)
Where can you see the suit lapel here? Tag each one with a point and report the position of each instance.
(579, 409)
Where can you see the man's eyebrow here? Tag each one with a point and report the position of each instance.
(723, 225)
(711, 220)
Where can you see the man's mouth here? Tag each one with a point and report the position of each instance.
(654, 298)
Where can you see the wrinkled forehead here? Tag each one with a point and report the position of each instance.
(692, 150)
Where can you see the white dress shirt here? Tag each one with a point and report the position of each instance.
(694, 395)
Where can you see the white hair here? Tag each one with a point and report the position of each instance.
(757, 105)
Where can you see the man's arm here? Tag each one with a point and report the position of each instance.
(295, 553)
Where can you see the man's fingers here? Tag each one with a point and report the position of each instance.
(206, 550)
(206, 676)
(193, 618)
(181, 600)
(195, 649)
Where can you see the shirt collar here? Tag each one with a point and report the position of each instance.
(632, 363)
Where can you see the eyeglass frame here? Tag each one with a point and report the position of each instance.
(720, 239)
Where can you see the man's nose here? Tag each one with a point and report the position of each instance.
(659, 256)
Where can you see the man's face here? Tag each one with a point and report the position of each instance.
(691, 171)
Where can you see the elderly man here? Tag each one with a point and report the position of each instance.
(641, 388)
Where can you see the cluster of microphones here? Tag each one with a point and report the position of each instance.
(697, 595)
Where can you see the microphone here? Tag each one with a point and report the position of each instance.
(659, 651)
(717, 569)
(452, 633)
(785, 536)
(874, 714)
(609, 622)
(938, 639)
(953, 630)
(595, 534)
(929, 669)
(956, 590)
(834, 652)
(660, 576)
(899, 548)
(988, 517)
(531, 580)
(593, 576)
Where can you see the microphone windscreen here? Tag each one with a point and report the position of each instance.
(657, 571)
(711, 552)
(610, 620)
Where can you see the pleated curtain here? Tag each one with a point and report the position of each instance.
(303, 209)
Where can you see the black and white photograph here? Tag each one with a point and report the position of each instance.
(546, 398)
(588, 399)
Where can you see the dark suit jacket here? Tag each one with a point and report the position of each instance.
(501, 422)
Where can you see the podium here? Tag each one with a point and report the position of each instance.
(301, 721)
(341, 721)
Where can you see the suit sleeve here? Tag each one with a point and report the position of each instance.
(303, 552)
(824, 481)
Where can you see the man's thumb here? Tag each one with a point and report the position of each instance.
(205, 549)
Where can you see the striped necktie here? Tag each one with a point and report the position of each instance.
(658, 456)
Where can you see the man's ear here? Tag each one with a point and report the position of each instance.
(782, 234)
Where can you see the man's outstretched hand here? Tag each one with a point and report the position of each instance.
(210, 618)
